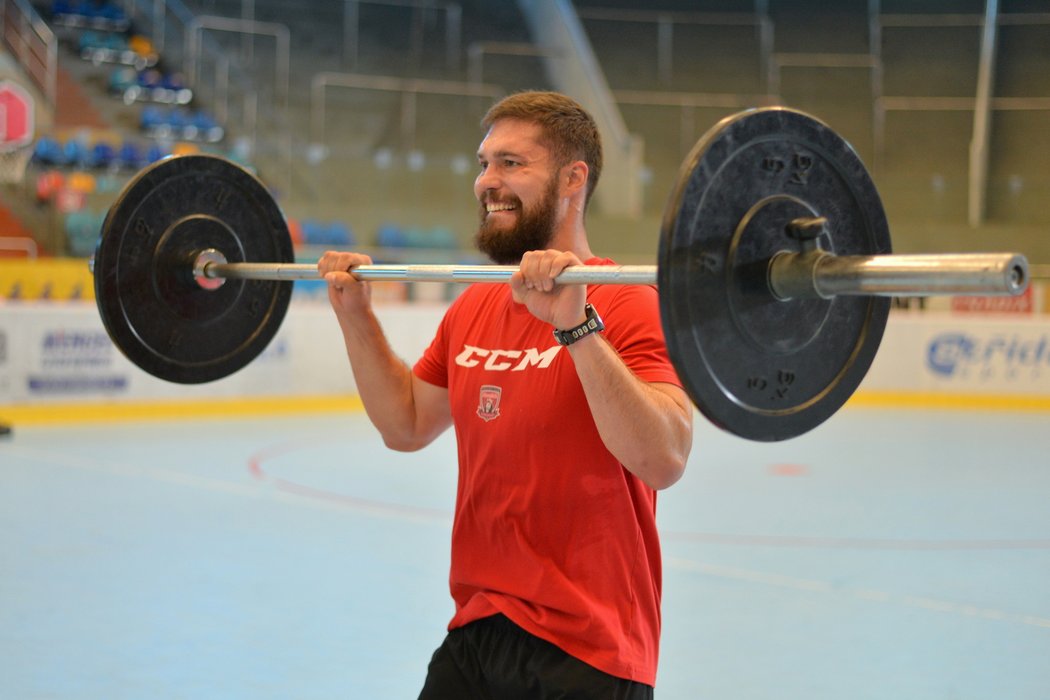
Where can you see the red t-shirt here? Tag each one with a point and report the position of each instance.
(549, 528)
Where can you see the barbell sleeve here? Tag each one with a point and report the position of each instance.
(791, 275)
(818, 274)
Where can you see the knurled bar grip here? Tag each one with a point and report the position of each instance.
(580, 274)
(792, 275)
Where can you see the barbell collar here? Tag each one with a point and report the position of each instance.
(925, 275)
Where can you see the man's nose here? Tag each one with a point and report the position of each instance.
(486, 181)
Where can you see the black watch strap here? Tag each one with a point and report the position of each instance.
(593, 324)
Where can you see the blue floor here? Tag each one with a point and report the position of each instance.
(887, 554)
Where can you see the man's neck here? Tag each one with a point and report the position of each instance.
(572, 236)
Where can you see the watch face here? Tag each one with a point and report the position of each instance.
(592, 324)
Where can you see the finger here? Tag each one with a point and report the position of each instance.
(530, 269)
(563, 260)
(518, 289)
(557, 261)
(554, 262)
(535, 268)
(333, 261)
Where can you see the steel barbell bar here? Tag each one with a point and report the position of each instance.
(791, 275)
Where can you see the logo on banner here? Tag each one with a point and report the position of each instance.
(1023, 303)
(66, 349)
(488, 404)
(1001, 356)
(75, 361)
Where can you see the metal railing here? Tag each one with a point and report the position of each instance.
(982, 123)
(244, 27)
(687, 103)
(477, 51)
(19, 244)
(779, 61)
(409, 89)
(665, 22)
(453, 28)
(983, 104)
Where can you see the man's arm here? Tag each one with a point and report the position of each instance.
(408, 412)
(647, 426)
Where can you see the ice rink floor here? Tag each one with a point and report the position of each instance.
(888, 554)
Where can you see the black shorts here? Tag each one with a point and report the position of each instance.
(494, 659)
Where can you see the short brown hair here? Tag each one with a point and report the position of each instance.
(570, 132)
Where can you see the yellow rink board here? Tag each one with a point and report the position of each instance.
(65, 413)
(58, 279)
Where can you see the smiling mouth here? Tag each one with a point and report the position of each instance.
(492, 208)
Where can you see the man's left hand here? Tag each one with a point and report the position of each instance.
(561, 305)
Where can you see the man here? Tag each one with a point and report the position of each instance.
(562, 443)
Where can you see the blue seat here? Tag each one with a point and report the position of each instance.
(311, 231)
(103, 154)
(82, 231)
(78, 154)
(340, 235)
(203, 121)
(151, 117)
(155, 153)
(316, 287)
(130, 156)
(112, 11)
(173, 81)
(334, 234)
(48, 151)
(443, 238)
(390, 236)
(149, 78)
(120, 79)
(62, 7)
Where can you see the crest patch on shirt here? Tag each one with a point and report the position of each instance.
(488, 404)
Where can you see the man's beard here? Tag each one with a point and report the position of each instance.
(534, 230)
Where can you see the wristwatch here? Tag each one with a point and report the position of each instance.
(593, 324)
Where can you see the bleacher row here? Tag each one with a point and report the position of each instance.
(90, 14)
(74, 176)
(82, 227)
(76, 179)
(78, 153)
(337, 234)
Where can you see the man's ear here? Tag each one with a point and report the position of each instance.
(575, 177)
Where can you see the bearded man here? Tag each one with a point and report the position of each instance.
(568, 419)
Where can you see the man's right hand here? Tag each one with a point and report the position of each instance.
(348, 296)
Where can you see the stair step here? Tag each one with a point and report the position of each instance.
(74, 108)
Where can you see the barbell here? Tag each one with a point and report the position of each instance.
(774, 272)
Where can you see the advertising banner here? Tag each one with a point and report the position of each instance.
(948, 353)
(60, 353)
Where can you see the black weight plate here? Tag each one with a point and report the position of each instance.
(758, 367)
(152, 307)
